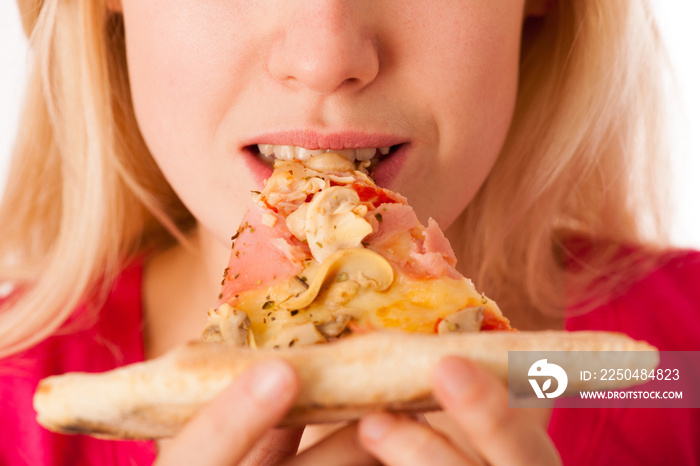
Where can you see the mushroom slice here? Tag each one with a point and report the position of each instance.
(296, 222)
(330, 162)
(228, 325)
(466, 320)
(335, 327)
(335, 221)
(340, 292)
(297, 335)
(364, 266)
(212, 333)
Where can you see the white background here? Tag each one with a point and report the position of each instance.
(679, 24)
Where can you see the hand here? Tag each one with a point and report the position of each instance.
(478, 403)
(236, 427)
(341, 448)
(230, 427)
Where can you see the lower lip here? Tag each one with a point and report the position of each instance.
(388, 169)
(384, 173)
(259, 169)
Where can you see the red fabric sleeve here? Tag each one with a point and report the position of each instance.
(664, 310)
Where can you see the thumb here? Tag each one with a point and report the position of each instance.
(225, 430)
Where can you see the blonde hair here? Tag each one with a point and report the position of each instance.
(84, 195)
(580, 183)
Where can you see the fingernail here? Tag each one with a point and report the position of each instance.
(455, 376)
(270, 380)
(375, 426)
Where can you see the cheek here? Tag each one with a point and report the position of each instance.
(476, 128)
(473, 102)
(180, 70)
(178, 64)
(483, 77)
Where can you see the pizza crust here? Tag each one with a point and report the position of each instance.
(339, 381)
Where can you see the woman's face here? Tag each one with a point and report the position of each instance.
(434, 80)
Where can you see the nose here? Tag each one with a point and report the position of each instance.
(324, 46)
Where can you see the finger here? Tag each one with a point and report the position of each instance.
(441, 422)
(275, 446)
(341, 448)
(478, 403)
(400, 441)
(226, 429)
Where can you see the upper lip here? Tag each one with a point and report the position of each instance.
(336, 140)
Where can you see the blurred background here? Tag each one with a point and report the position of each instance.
(678, 21)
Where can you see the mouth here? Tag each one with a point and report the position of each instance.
(366, 157)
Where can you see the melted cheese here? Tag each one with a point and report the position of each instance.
(409, 304)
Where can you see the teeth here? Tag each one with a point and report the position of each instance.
(364, 154)
(348, 154)
(266, 149)
(305, 154)
(279, 152)
(284, 152)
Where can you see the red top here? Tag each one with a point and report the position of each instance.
(113, 340)
(583, 436)
(664, 310)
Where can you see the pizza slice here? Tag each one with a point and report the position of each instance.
(324, 253)
(326, 256)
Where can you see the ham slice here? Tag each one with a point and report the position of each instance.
(435, 256)
(400, 237)
(264, 252)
